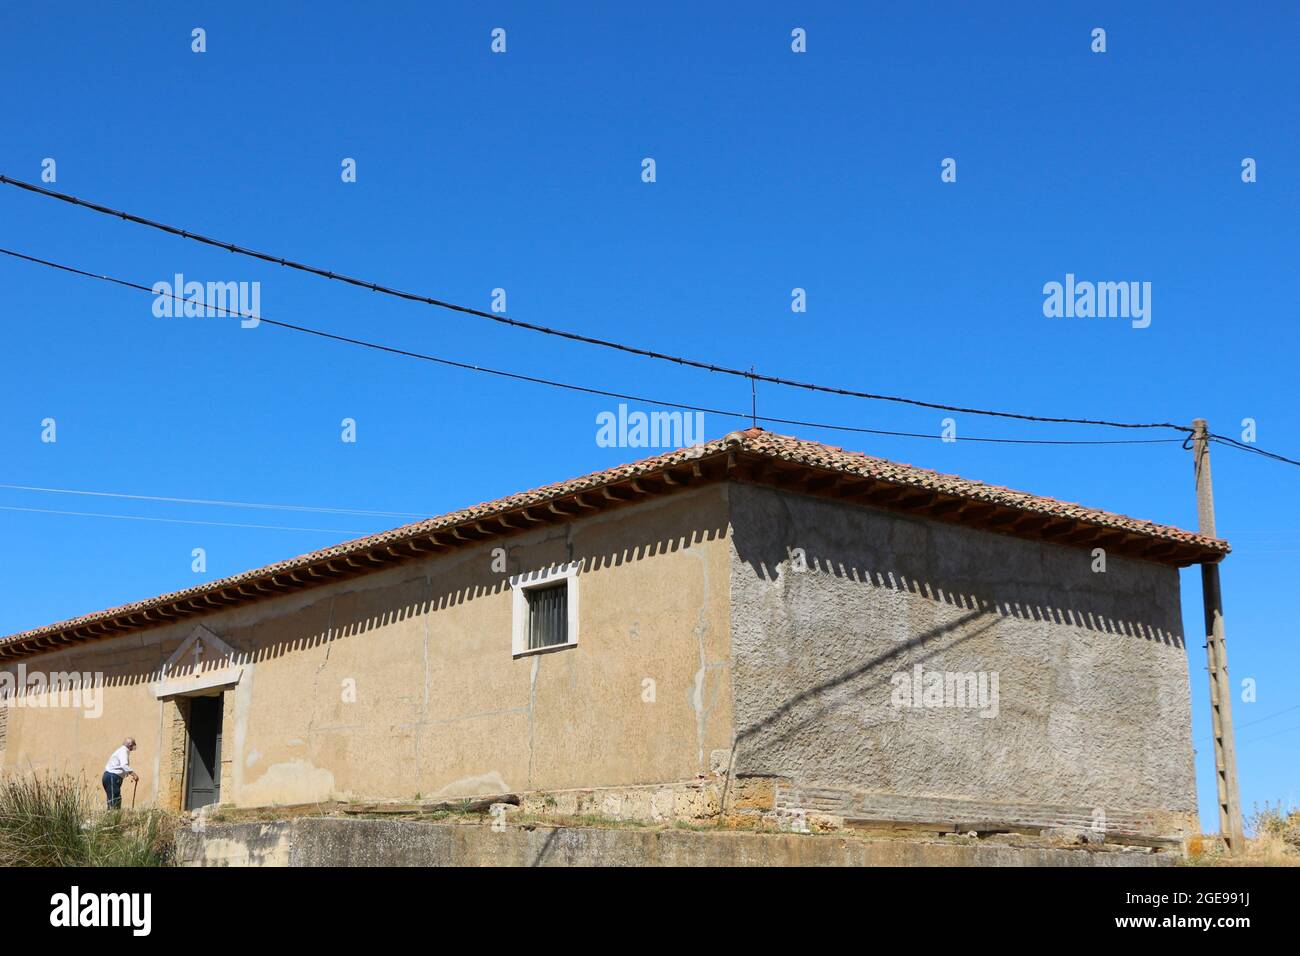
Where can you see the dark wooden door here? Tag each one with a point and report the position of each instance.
(203, 775)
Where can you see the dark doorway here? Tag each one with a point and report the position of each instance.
(203, 769)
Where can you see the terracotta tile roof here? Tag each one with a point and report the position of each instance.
(815, 454)
(743, 455)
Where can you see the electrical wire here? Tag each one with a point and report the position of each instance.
(1276, 733)
(217, 503)
(519, 376)
(1260, 720)
(559, 333)
(1242, 446)
(214, 524)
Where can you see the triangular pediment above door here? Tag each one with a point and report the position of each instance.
(201, 663)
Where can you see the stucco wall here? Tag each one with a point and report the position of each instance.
(1093, 707)
(79, 735)
(442, 709)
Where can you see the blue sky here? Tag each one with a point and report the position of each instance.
(522, 171)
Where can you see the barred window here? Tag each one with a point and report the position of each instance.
(548, 616)
(545, 609)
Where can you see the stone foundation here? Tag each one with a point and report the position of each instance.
(656, 803)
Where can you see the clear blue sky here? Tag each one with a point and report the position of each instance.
(523, 171)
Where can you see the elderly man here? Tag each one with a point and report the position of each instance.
(119, 766)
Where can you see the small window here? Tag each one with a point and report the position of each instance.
(548, 616)
(545, 609)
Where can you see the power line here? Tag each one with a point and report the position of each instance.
(1276, 733)
(1260, 720)
(560, 333)
(519, 376)
(214, 524)
(1242, 446)
(217, 503)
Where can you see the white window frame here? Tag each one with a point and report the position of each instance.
(520, 584)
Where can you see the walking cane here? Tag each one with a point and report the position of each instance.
(134, 786)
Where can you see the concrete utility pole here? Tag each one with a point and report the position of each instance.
(1225, 749)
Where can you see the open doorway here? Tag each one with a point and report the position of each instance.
(203, 759)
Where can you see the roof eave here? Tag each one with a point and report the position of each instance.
(734, 457)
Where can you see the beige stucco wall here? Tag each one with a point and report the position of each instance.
(441, 707)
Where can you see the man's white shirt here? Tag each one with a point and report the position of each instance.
(117, 764)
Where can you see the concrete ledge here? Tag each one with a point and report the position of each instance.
(324, 841)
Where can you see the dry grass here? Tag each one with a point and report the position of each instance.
(1273, 839)
(1276, 832)
(54, 821)
(1274, 823)
(580, 820)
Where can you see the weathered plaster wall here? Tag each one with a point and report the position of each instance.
(79, 739)
(1093, 701)
(316, 841)
(441, 708)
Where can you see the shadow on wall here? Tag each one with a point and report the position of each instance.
(823, 693)
(316, 617)
(829, 600)
(961, 567)
(544, 852)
